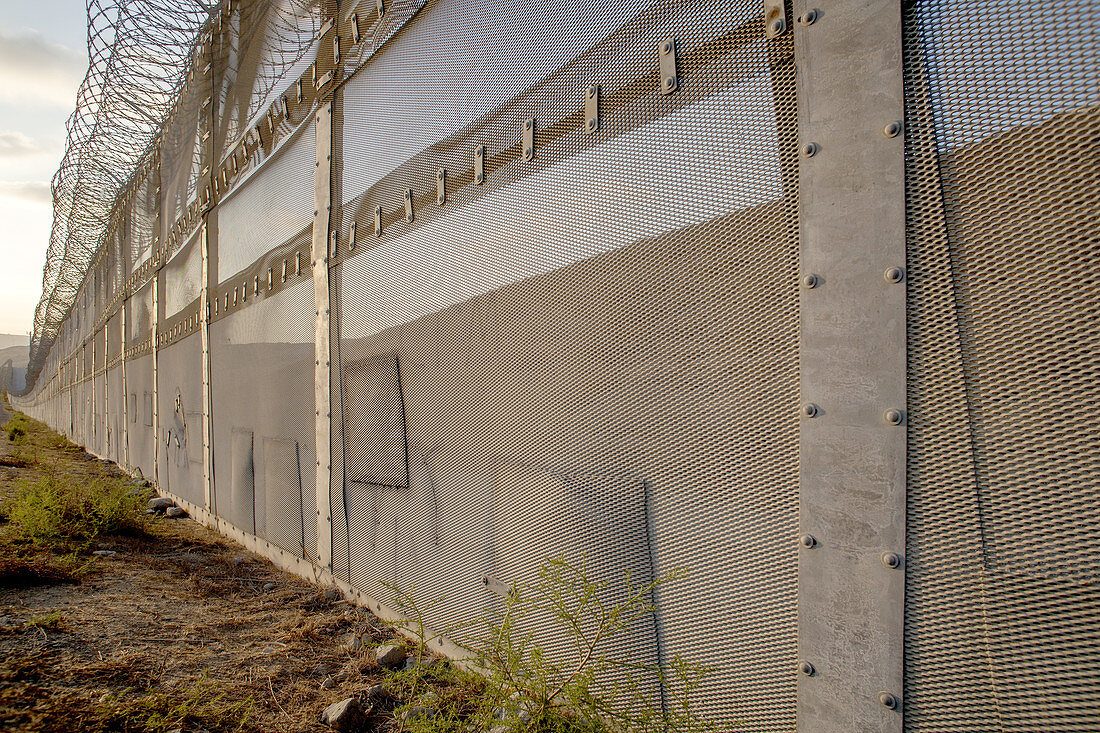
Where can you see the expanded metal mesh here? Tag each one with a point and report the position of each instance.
(1002, 594)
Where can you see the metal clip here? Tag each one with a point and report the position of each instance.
(592, 108)
(775, 18)
(479, 165)
(441, 186)
(355, 37)
(529, 139)
(378, 221)
(380, 6)
(284, 271)
(669, 82)
(270, 278)
(336, 50)
(329, 75)
(286, 108)
(298, 90)
(351, 237)
(297, 263)
(410, 216)
(333, 246)
(256, 285)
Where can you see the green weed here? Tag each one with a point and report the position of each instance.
(53, 508)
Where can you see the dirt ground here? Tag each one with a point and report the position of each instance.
(181, 629)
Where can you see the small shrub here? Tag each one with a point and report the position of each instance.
(52, 508)
(204, 705)
(47, 621)
(43, 568)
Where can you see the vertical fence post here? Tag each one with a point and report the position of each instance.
(323, 367)
(125, 430)
(207, 406)
(156, 410)
(852, 363)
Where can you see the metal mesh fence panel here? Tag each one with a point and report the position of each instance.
(179, 413)
(520, 350)
(1002, 602)
(262, 378)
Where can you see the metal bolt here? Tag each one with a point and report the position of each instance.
(891, 559)
(591, 91)
(808, 541)
(808, 18)
(810, 281)
(806, 668)
(894, 274)
(892, 130)
(666, 47)
(591, 124)
(439, 175)
(809, 409)
(809, 150)
(408, 194)
(670, 82)
(889, 701)
(527, 125)
(439, 199)
(779, 25)
(527, 152)
(893, 417)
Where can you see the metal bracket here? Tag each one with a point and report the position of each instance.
(410, 215)
(378, 221)
(333, 240)
(380, 6)
(479, 165)
(592, 108)
(324, 79)
(529, 139)
(441, 186)
(775, 18)
(667, 52)
(351, 237)
(355, 37)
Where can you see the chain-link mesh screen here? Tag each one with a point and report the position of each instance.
(1002, 601)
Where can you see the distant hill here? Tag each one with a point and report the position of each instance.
(16, 348)
(14, 339)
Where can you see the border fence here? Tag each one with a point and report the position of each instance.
(800, 298)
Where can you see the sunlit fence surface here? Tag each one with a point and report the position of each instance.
(799, 299)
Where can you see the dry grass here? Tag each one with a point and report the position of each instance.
(174, 631)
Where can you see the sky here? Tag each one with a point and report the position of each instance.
(43, 58)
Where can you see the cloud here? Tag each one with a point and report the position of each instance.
(37, 192)
(14, 144)
(35, 69)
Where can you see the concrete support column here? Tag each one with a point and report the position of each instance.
(852, 307)
(322, 333)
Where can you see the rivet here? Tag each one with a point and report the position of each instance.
(527, 152)
(892, 130)
(893, 417)
(894, 274)
(806, 668)
(670, 82)
(891, 559)
(810, 281)
(808, 18)
(591, 91)
(527, 124)
(809, 409)
(809, 150)
(666, 47)
(591, 124)
(808, 541)
(889, 701)
(439, 199)
(779, 25)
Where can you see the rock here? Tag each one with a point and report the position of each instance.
(328, 683)
(375, 692)
(161, 502)
(174, 512)
(238, 560)
(151, 511)
(389, 655)
(352, 643)
(427, 662)
(333, 594)
(105, 553)
(345, 715)
(417, 713)
(268, 587)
